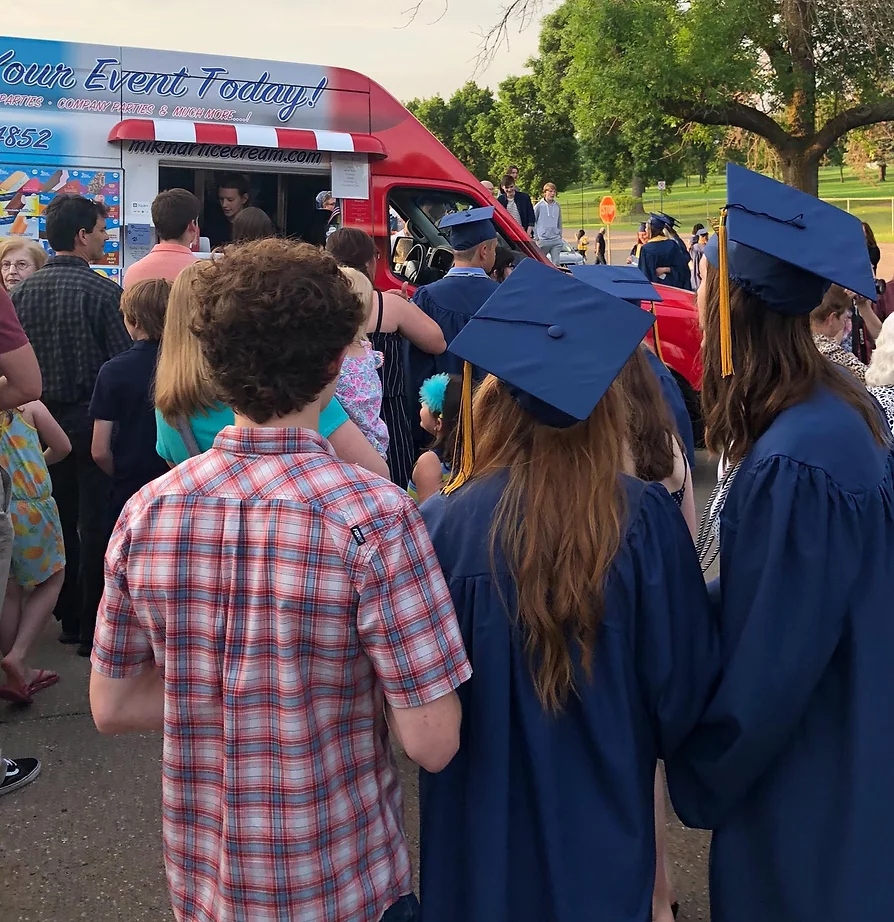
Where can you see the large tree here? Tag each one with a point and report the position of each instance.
(464, 124)
(798, 73)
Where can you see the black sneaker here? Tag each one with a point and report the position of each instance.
(85, 649)
(69, 637)
(18, 773)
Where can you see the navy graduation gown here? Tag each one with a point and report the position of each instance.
(791, 764)
(451, 302)
(668, 254)
(549, 818)
(676, 404)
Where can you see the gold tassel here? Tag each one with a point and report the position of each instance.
(726, 336)
(467, 458)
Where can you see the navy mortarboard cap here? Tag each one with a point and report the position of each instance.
(659, 217)
(470, 227)
(624, 282)
(703, 232)
(787, 247)
(555, 342)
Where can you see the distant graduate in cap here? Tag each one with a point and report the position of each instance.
(794, 753)
(452, 300)
(664, 258)
(629, 284)
(584, 612)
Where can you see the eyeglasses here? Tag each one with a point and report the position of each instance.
(21, 265)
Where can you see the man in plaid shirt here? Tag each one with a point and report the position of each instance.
(268, 606)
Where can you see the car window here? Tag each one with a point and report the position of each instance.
(418, 212)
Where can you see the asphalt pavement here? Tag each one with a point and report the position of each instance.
(84, 840)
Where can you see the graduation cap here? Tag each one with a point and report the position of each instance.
(625, 282)
(659, 217)
(554, 341)
(785, 247)
(468, 228)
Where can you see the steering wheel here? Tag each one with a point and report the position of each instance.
(413, 263)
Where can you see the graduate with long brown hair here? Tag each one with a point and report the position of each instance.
(584, 614)
(793, 770)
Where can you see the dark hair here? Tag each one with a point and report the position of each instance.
(144, 306)
(352, 248)
(508, 180)
(697, 228)
(870, 235)
(836, 301)
(273, 318)
(445, 443)
(234, 181)
(656, 227)
(651, 427)
(252, 224)
(173, 211)
(777, 366)
(505, 259)
(67, 216)
(580, 233)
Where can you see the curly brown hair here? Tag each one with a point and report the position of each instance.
(273, 318)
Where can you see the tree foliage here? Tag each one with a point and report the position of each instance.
(800, 74)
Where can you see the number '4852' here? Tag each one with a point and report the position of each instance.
(13, 136)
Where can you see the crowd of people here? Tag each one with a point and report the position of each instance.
(332, 517)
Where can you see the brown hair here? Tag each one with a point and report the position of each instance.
(252, 224)
(274, 317)
(777, 367)
(173, 211)
(352, 247)
(651, 428)
(559, 550)
(836, 301)
(183, 385)
(144, 306)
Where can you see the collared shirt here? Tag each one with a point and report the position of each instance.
(165, 260)
(286, 595)
(460, 271)
(70, 314)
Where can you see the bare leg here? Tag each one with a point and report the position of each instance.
(10, 616)
(661, 895)
(36, 612)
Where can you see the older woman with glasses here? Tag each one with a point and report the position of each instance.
(19, 258)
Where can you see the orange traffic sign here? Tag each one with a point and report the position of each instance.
(607, 210)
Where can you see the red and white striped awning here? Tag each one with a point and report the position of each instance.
(167, 129)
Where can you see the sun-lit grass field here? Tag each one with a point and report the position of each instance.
(870, 201)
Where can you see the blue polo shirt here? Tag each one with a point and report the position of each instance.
(123, 395)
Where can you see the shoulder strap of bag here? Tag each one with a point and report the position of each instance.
(381, 309)
(184, 430)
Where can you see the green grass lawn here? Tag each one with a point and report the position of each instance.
(870, 201)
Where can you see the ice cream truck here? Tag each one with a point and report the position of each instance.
(122, 124)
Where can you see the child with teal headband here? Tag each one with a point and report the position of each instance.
(440, 397)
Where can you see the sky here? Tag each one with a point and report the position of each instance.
(429, 55)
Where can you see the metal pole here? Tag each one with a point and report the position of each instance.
(608, 247)
(892, 215)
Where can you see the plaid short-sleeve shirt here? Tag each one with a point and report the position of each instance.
(284, 594)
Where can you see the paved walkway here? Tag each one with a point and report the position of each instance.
(84, 841)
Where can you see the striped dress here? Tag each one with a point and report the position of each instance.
(401, 452)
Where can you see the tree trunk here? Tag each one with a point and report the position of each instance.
(637, 190)
(883, 172)
(800, 170)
